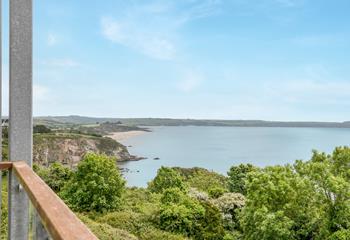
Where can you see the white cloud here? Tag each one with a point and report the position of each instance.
(148, 43)
(52, 39)
(153, 28)
(64, 62)
(190, 82)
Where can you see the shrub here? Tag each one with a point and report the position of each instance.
(4, 210)
(216, 192)
(56, 175)
(230, 204)
(181, 219)
(237, 177)
(202, 179)
(166, 178)
(106, 232)
(95, 186)
(182, 214)
(41, 129)
(211, 224)
(340, 235)
(152, 233)
(201, 196)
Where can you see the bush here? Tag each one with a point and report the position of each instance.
(4, 210)
(340, 235)
(202, 179)
(41, 129)
(166, 178)
(181, 219)
(96, 185)
(182, 214)
(56, 175)
(211, 223)
(106, 232)
(237, 177)
(216, 192)
(152, 233)
(137, 224)
(230, 204)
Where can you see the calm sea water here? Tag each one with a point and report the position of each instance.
(218, 148)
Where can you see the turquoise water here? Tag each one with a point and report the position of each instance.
(218, 148)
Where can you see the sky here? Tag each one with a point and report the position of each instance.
(207, 59)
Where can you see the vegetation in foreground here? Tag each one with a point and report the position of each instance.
(306, 200)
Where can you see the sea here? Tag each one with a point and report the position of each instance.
(219, 148)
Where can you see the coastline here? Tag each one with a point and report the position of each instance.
(122, 136)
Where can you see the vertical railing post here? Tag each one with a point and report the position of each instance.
(20, 115)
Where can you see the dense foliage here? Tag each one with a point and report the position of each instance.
(4, 212)
(96, 185)
(238, 176)
(41, 129)
(56, 175)
(307, 200)
(310, 200)
(166, 178)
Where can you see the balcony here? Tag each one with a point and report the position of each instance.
(52, 218)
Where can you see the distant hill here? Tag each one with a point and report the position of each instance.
(81, 120)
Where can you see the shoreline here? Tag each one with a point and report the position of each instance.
(122, 136)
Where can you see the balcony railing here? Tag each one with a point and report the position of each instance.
(58, 220)
(52, 218)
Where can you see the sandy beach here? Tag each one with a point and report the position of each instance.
(121, 136)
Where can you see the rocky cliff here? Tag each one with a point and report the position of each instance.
(70, 148)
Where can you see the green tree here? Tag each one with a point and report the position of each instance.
(41, 129)
(179, 213)
(182, 214)
(280, 204)
(330, 175)
(237, 177)
(95, 186)
(212, 223)
(166, 178)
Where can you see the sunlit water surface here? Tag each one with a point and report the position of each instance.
(218, 148)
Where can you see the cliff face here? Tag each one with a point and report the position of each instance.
(70, 148)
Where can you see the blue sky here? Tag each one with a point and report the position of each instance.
(212, 59)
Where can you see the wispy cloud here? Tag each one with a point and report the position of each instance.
(153, 28)
(149, 43)
(61, 62)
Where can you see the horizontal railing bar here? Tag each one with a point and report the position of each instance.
(58, 219)
(5, 165)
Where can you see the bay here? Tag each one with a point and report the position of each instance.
(218, 148)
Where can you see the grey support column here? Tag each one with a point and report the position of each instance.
(20, 128)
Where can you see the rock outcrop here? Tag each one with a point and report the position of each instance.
(68, 149)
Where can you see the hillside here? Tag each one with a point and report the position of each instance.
(79, 120)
